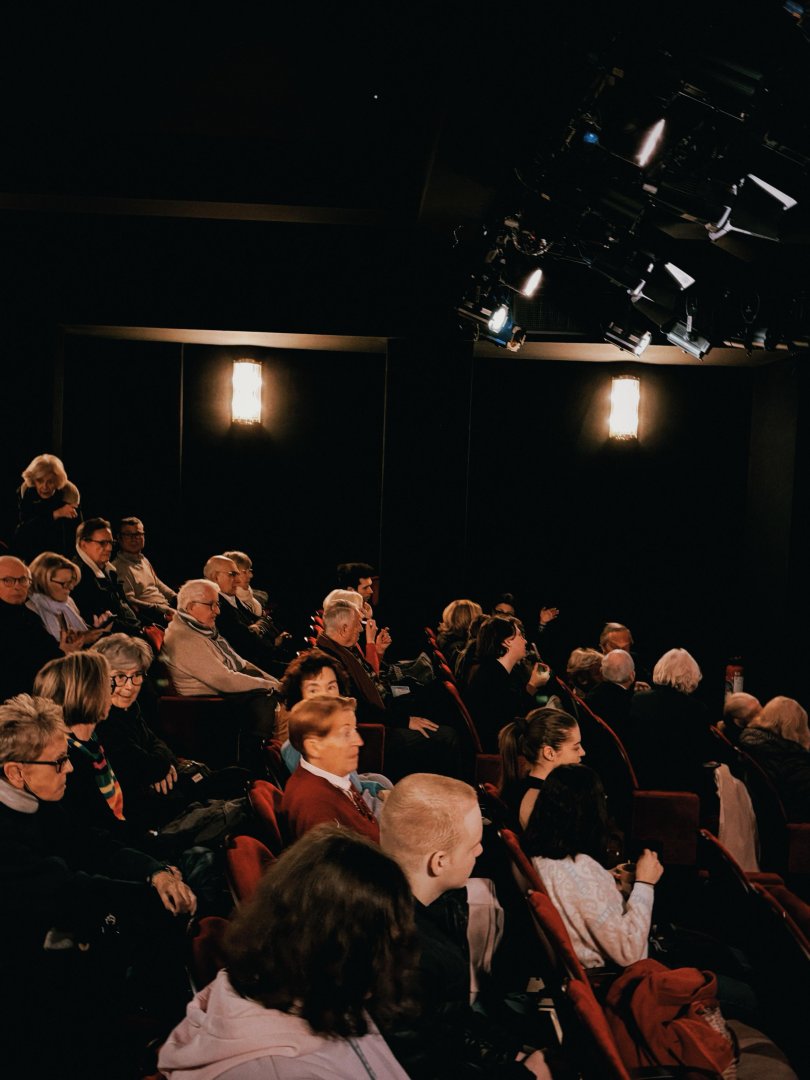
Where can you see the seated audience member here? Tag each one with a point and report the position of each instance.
(466, 661)
(99, 591)
(499, 689)
(612, 697)
(412, 742)
(668, 730)
(200, 660)
(326, 943)
(48, 509)
(546, 739)
(570, 840)
(615, 635)
(454, 629)
(432, 826)
(738, 711)
(58, 884)
(151, 599)
(376, 641)
(156, 786)
(53, 577)
(505, 605)
(324, 731)
(778, 739)
(583, 670)
(357, 576)
(254, 637)
(244, 588)
(26, 644)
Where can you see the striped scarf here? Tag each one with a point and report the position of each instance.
(102, 770)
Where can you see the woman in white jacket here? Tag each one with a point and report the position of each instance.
(328, 938)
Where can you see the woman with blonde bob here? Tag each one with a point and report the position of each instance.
(454, 629)
(53, 578)
(327, 942)
(48, 509)
(779, 741)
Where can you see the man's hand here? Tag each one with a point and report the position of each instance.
(174, 894)
(422, 725)
(164, 786)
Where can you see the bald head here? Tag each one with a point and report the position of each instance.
(14, 580)
(618, 667)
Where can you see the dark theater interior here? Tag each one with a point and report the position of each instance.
(353, 196)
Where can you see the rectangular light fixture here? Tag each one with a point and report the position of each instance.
(246, 402)
(624, 398)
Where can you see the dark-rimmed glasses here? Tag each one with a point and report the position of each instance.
(59, 764)
(120, 678)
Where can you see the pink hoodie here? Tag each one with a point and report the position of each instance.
(222, 1030)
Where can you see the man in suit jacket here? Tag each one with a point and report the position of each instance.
(612, 698)
(251, 635)
(100, 593)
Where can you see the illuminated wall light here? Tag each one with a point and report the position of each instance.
(246, 403)
(624, 399)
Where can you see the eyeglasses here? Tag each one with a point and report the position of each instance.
(119, 678)
(127, 535)
(101, 543)
(10, 582)
(231, 573)
(69, 584)
(59, 764)
(213, 604)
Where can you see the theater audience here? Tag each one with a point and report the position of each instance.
(501, 688)
(570, 839)
(48, 509)
(505, 605)
(253, 636)
(53, 577)
(150, 599)
(326, 943)
(432, 826)
(244, 588)
(778, 739)
(375, 642)
(59, 885)
(546, 739)
(323, 729)
(611, 698)
(412, 742)
(616, 635)
(26, 644)
(668, 732)
(357, 576)
(738, 711)
(98, 591)
(454, 629)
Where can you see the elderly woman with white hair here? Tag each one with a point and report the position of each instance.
(778, 739)
(48, 509)
(668, 731)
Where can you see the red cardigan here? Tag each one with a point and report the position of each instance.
(309, 800)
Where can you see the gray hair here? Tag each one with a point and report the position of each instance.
(338, 612)
(348, 596)
(741, 709)
(196, 589)
(123, 651)
(786, 717)
(27, 725)
(243, 561)
(678, 669)
(618, 666)
(212, 566)
(44, 465)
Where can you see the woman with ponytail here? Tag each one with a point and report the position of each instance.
(548, 737)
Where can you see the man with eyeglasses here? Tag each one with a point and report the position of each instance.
(150, 598)
(58, 886)
(26, 644)
(251, 635)
(99, 589)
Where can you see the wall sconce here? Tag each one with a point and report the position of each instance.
(246, 402)
(624, 399)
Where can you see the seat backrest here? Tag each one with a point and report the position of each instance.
(372, 752)
(246, 860)
(265, 800)
(155, 635)
(464, 713)
(206, 956)
(667, 822)
(523, 869)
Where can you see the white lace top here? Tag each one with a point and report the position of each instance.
(603, 927)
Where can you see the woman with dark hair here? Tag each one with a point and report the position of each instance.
(327, 941)
(570, 838)
(499, 690)
(546, 739)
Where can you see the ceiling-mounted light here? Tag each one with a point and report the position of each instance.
(693, 343)
(498, 319)
(246, 400)
(532, 282)
(629, 339)
(624, 401)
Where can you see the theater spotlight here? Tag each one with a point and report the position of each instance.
(246, 401)
(625, 393)
(756, 210)
(632, 340)
(498, 319)
(685, 337)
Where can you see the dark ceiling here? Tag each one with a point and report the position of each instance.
(392, 124)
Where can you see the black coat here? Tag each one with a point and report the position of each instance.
(669, 739)
(611, 703)
(26, 646)
(39, 531)
(787, 764)
(95, 595)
